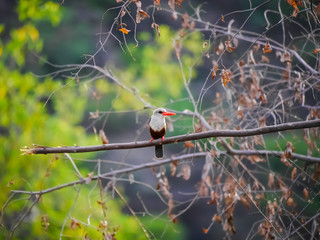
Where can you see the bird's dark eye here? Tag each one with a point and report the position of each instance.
(160, 112)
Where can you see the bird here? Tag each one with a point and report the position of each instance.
(157, 127)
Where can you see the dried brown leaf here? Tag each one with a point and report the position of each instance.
(293, 173)
(267, 49)
(177, 48)
(103, 137)
(255, 185)
(271, 180)
(205, 170)
(225, 76)
(174, 219)
(219, 50)
(171, 5)
(229, 47)
(74, 224)
(178, 3)
(89, 177)
(204, 44)
(217, 218)
(185, 172)
(138, 4)
(203, 189)
(170, 206)
(285, 160)
(189, 144)
(94, 115)
(256, 47)
(218, 179)
(281, 184)
(316, 173)
(251, 59)
(240, 114)
(242, 182)
(285, 57)
(45, 221)
(156, 26)
(265, 59)
(163, 186)
(103, 225)
(10, 183)
(213, 74)
(143, 14)
(293, 3)
(255, 159)
(290, 202)
(124, 30)
(103, 204)
(245, 202)
(306, 194)
(185, 21)
(228, 226)
(229, 186)
(258, 140)
(289, 150)
(213, 199)
(318, 9)
(241, 63)
(173, 169)
(123, 13)
(215, 68)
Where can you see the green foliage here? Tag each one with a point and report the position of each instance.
(39, 10)
(26, 120)
(26, 38)
(162, 229)
(154, 72)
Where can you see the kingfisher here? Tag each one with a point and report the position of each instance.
(157, 127)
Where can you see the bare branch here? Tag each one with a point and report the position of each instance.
(181, 138)
(166, 161)
(115, 172)
(305, 158)
(15, 226)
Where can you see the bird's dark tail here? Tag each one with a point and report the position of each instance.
(159, 151)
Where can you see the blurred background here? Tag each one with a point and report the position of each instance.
(46, 100)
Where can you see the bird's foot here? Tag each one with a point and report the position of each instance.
(151, 139)
(162, 138)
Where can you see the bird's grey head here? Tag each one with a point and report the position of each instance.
(159, 112)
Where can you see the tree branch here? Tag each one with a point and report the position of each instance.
(166, 161)
(232, 151)
(114, 173)
(181, 138)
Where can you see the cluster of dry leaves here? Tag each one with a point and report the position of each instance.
(253, 95)
(141, 14)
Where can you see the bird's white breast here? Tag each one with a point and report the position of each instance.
(157, 123)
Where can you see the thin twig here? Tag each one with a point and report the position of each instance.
(133, 213)
(13, 229)
(74, 166)
(114, 173)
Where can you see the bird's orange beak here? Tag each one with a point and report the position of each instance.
(168, 113)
